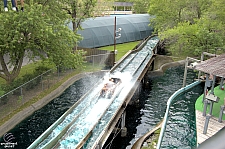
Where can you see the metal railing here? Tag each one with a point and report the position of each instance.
(169, 102)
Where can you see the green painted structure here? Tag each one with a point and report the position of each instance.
(199, 105)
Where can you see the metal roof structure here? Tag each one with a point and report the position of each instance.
(99, 31)
(214, 66)
(123, 4)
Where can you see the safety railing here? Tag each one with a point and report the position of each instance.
(177, 93)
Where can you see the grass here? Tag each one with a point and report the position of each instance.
(27, 69)
(122, 49)
(154, 140)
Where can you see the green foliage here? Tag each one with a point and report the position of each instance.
(79, 10)
(41, 69)
(32, 82)
(189, 27)
(39, 31)
(25, 78)
(140, 6)
(2, 92)
(20, 98)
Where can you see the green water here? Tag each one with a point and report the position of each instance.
(144, 116)
(181, 129)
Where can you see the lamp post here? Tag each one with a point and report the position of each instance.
(116, 37)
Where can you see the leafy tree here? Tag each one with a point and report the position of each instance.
(37, 32)
(140, 6)
(79, 10)
(189, 27)
(169, 13)
(103, 7)
(193, 39)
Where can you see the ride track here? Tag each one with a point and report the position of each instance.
(86, 124)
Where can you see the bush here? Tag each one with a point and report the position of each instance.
(2, 92)
(41, 69)
(27, 78)
(3, 99)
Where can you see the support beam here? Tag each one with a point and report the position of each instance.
(206, 124)
(213, 84)
(123, 127)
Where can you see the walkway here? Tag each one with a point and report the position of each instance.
(213, 127)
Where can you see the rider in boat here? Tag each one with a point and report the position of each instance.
(108, 86)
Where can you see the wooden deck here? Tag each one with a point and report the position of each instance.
(213, 127)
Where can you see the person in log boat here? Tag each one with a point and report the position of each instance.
(108, 87)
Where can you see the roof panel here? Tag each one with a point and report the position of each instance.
(134, 27)
(214, 66)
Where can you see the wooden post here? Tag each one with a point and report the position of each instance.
(185, 73)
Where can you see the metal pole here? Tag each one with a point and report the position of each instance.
(211, 107)
(114, 41)
(213, 84)
(123, 128)
(205, 107)
(206, 124)
(205, 89)
(221, 82)
(21, 92)
(123, 117)
(221, 113)
(206, 85)
(202, 59)
(185, 73)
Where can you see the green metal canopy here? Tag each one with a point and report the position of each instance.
(99, 31)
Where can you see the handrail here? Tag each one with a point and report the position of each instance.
(178, 92)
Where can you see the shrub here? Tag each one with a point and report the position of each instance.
(41, 69)
(3, 99)
(2, 92)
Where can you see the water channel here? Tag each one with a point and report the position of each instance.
(144, 116)
(140, 118)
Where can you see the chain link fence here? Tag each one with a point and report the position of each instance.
(101, 60)
(32, 89)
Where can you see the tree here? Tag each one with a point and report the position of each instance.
(39, 31)
(140, 6)
(189, 27)
(79, 10)
(103, 7)
(169, 13)
(192, 40)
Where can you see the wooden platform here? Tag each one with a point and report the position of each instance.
(213, 127)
